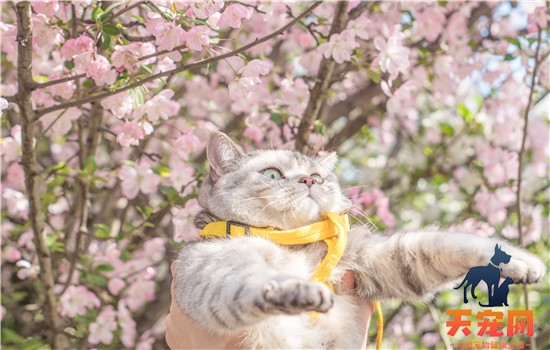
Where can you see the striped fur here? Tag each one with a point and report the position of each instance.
(253, 286)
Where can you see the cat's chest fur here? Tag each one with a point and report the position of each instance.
(336, 329)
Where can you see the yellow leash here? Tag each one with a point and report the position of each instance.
(332, 229)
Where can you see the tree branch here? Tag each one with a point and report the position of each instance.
(318, 93)
(181, 68)
(56, 339)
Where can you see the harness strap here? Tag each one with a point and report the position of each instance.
(332, 229)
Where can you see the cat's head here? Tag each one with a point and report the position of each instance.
(269, 188)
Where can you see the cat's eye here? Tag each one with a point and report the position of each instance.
(272, 173)
(317, 178)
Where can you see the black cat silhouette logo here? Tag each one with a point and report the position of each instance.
(490, 274)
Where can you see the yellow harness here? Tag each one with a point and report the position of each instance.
(332, 229)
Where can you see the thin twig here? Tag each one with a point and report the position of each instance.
(519, 191)
(440, 329)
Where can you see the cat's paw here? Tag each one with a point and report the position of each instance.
(294, 295)
(524, 268)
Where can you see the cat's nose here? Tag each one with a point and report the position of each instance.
(307, 180)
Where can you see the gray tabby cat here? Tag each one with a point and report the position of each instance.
(255, 286)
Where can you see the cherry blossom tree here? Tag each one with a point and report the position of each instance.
(438, 110)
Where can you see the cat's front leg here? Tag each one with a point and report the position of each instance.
(414, 265)
(227, 285)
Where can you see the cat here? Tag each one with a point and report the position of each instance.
(489, 273)
(500, 294)
(264, 290)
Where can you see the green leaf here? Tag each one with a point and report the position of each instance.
(96, 11)
(90, 166)
(104, 268)
(110, 9)
(69, 65)
(106, 41)
(9, 336)
(110, 29)
(446, 129)
(139, 18)
(319, 127)
(58, 247)
(102, 231)
(464, 112)
(96, 280)
(512, 40)
(374, 76)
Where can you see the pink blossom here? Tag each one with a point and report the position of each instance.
(154, 249)
(10, 147)
(229, 67)
(394, 56)
(540, 17)
(402, 98)
(126, 56)
(28, 270)
(182, 218)
(493, 205)
(76, 300)
(181, 173)
(46, 7)
(119, 104)
(4, 104)
(99, 69)
(339, 46)
(197, 37)
(254, 133)
(15, 177)
(360, 27)
(186, 144)
(64, 90)
(101, 331)
(383, 212)
(296, 96)
(96, 67)
(11, 254)
(255, 68)
(131, 133)
(471, 225)
(127, 325)
(60, 122)
(205, 9)
(138, 178)
(140, 292)
(44, 34)
(499, 166)
(233, 15)
(241, 87)
(430, 22)
(168, 34)
(146, 341)
(73, 47)
(160, 106)
(17, 203)
(59, 207)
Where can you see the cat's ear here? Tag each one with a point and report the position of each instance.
(224, 155)
(328, 161)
